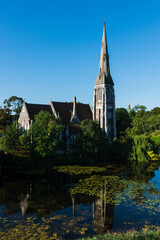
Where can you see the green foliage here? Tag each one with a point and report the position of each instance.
(122, 121)
(113, 190)
(104, 187)
(155, 137)
(45, 133)
(78, 170)
(146, 234)
(5, 120)
(153, 123)
(141, 145)
(139, 108)
(119, 150)
(138, 124)
(14, 139)
(10, 112)
(143, 122)
(92, 140)
(153, 156)
(133, 131)
(12, 106)
(155, 110)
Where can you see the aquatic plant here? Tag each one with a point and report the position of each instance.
(44, 228)
(113, 190)
(78, 170)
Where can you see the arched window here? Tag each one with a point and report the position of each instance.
(108, 93)
(100, 117)
(99, 94)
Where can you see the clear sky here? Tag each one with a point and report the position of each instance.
(50, 49)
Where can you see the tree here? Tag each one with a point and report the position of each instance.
(139, 108)
(14, 140)
(5, 119)
(122, 121)
(155, 110)
(12, 106)
(45, 133)
(92, 140)
(138, 117)
(141, 145)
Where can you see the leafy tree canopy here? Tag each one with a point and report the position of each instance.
(92, 139)
(139, 108)
(142, 121)
(45, 133)
(5, 119)
(155, 110)
(13, 105)
(122, 121)
(14, 139)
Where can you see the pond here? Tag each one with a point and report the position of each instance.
(72, 202)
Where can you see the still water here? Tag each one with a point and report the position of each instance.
(73, 202)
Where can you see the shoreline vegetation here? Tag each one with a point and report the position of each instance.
(138, 136)
(130, 235)
(34, 152)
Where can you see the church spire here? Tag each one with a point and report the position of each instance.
(104, 57)
(104, 97)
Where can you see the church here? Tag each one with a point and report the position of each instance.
(72, 114)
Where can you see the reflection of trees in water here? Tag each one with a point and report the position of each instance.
(39, 195)
(48, 194)
(111, 190)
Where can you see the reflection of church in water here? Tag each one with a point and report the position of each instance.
(103, 216)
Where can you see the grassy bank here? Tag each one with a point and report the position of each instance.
(149, 235)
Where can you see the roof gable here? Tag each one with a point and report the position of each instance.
(64, 111)
(34, 109)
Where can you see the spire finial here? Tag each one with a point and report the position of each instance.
(104, 21)
(74, 105)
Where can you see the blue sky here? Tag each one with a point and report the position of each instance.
(50, 49)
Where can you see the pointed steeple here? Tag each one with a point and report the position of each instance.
(104, 96)
(104, 57)
(74, 118)
(104, 76)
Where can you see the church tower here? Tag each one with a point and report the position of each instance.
(104, 96)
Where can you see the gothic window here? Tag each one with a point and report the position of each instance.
(109, 114)
(99, 94)
(108, 93)
(100, 117)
